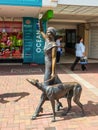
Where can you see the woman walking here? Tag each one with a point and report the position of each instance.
(80, 53)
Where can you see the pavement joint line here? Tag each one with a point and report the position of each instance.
(24, 70)
(7, 64)
(92, 88)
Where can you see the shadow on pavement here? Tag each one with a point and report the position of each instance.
(91, 109)
(19, 96)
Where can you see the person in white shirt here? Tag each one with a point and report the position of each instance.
(79, 52)
(59, 49)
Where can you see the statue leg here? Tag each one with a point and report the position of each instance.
(39, 108)
(76, 99)
(58, 105)
(51, 81)
(53, 108)
(69, 98)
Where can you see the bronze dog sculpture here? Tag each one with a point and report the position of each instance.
(57, 91)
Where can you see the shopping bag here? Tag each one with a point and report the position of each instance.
(83, 60)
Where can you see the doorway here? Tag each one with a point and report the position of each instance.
(70, 40)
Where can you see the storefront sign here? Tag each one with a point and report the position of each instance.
(28, 39)
(38, 42)
(33, 41)
(22, 2)
(38, 49)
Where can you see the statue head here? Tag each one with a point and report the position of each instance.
(52, 31)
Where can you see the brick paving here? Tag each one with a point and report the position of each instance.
(19, 99)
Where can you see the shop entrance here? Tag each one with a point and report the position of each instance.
(70, 40)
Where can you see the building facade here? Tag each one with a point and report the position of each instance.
(78, 18)
(20, 38)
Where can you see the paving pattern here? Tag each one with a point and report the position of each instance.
(19, 99)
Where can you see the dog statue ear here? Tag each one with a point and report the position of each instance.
(33, 81)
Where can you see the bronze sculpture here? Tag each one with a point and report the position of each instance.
(57, 91)
(49, 50)
(52, 84)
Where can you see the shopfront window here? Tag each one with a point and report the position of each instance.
(11, 42)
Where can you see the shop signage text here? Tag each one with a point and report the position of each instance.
(38, 42)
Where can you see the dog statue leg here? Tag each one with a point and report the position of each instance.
(39, 107)
(69, 106)
(53, 108)
(58, 105)
(69, 98)
(43, 97)
(76, 98)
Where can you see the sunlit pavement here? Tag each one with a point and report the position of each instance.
(19, 99)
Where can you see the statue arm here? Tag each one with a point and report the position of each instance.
(41, 29)
(53, 61)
